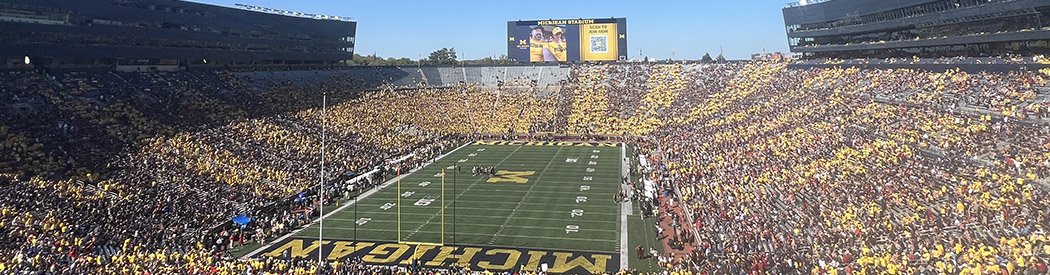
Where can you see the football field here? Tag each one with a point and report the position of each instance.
(547, 203)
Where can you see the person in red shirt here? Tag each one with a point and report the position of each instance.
(1040, 266)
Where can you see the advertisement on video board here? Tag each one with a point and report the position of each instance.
(567, 40)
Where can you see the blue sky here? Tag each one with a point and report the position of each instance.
(478, 28)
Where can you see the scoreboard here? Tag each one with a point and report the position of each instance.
(567, 40)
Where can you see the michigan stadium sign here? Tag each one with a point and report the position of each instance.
(567, 40)
(475, 257)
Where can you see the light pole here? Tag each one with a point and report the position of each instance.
(455, 170)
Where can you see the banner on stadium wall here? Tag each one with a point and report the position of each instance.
(567, 40)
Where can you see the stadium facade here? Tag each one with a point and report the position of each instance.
(923, 28)
(166, 32)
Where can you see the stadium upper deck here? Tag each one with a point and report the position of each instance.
(156, 32)
(925, 28)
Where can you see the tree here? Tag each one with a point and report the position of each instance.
(484, 61)
(706, 59)
(404, 61)
(375, 60)
(503, 59)
(488, 60)
(721, 59)
(444, 56)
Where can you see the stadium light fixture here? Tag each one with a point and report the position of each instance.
(27, 60)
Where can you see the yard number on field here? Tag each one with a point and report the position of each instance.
(427, 200)
(387, 206)
(363, 221)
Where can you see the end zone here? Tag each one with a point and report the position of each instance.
(476, 257)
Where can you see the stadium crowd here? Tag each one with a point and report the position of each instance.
(189, 150)
(775, 170)
(958, 60)
(830, 171)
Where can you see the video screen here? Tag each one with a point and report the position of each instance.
(567, 40)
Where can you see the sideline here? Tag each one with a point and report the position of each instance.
(625, 207)
(348, 204)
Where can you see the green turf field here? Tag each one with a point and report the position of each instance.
(550, 204)
(531, 205)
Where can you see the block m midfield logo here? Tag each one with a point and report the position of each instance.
(511, 176)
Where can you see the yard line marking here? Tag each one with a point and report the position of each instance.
(487, 234)
(489, 209)
(551, 213)
(553, 194)
(522, 201)
(484, 225)
(483, 212)
(602, 223)
(595, 186)
(457, 197)
(471, 216)
(528, 203)
(348, 204)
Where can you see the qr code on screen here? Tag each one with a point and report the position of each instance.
(599, 43)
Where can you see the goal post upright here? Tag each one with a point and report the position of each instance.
(442, 205)
(398, 204)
